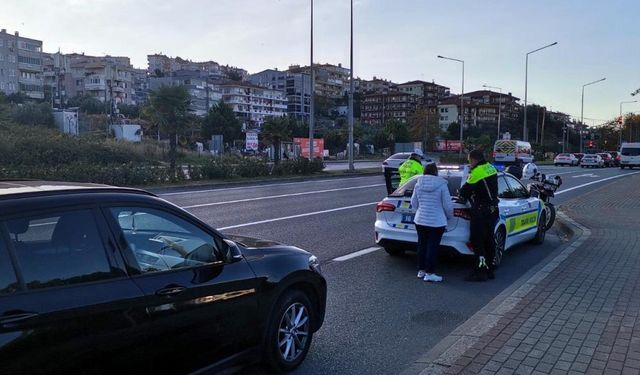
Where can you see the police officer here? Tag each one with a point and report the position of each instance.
(481, 189)
(411, 167)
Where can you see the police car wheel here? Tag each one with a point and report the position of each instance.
(394, 251)
(500, 240)
(542, 230)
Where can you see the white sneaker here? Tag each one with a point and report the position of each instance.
(421, 274)
(432, 277)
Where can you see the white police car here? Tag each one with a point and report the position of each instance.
(521, 217)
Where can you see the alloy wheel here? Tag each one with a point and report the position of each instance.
(500, 240)
(293, 332)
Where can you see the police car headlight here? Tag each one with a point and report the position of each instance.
(314, 264)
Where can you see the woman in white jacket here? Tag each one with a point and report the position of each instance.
(433, 205)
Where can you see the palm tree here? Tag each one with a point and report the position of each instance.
(275, 130)
(169, 106)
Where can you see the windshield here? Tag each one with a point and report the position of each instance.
(630, 151)
(400, 156)
(406, 190)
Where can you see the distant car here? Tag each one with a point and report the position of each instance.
(607, 158)
(522, 217)
(579, 155)
(592, 161)
(102, 280)
(616, 157)
(630, 155)
(566, 159)
(393, 162)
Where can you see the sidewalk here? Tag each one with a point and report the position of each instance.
(580, 314)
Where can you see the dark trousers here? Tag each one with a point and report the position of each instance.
(428, 246)
(483, 223)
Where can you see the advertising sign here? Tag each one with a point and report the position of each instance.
(448, 146)
(318, 147)
(252, 141)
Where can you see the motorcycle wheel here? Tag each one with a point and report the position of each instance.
(550, 215)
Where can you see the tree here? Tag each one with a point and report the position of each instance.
(221, 120)
(33, 114)
(87, 104)
(129, 110)
(397, 132)
(425, 126)
(170, 106)
(631, 126)
(274, 131)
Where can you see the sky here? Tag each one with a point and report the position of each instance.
(393, 39)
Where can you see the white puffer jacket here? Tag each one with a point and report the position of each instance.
(432, 201)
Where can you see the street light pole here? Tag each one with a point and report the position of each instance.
(582, 108)
(525, 135)
(351, 167)
(313, 89)
(499, 105)
(621, 127)
(461, 101)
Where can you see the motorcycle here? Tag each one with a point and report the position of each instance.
(544, 188)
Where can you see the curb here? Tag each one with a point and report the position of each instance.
(159, 189)
(444, 354)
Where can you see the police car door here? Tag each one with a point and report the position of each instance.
(522, 221)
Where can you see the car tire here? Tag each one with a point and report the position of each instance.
(500, 239)
(541, 233)
(622, 167)
(555, 165)
(394, 251)
(286, 310)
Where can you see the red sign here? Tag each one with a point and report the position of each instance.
(448, 146)
(318, 147)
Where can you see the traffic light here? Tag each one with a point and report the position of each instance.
(590, 144)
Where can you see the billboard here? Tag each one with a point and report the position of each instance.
(448, 146)
(252, 141)
(318, 147)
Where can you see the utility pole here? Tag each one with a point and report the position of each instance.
(351, 167)
(544, 115)
(313, 88)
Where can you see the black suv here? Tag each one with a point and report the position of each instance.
(98, 279)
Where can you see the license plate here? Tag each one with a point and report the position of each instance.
(407, 219)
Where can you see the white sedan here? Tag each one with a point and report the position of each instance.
(592, 161)
(565, 159)
(521, 218)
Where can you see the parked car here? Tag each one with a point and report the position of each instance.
(393, 162)
(566, 159)
(630, 155)
(522, 218)
(607, 159)
(579, 155)
(99, 279)
(615, 155)
(592, 161)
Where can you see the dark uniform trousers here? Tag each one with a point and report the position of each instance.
(483, 223)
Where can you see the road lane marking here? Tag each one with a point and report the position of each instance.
(263, 186)
(298, 216)
(595, 182)
(282, 196)
(357, 254)
(586, 175)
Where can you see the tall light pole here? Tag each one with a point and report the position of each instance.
(621, 103)
(312, 109)
(525, 135)
(461, 100)
(499, 105)
(351, 167)
(582, 108)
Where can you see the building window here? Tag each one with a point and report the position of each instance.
(12, 58)
(29, 60)
(1, 55)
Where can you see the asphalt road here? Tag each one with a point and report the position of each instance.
(380, 317)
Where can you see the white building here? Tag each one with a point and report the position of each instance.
(253, 104)
(448, 114)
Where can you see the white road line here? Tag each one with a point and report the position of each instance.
(263, 186)
(297, 216)
(282, 196)
(594, 182)
(357, 254)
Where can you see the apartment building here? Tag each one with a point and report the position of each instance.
(297, 87)
(375, 85)
(331, 81)
(429, 93)
(379, 108)
(510, 104)
(203, 92)
(55, 67)
(162, 65)
(253, 104)
(21, 65)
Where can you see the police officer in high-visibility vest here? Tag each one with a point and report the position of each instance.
(412, 167)
(481, 189)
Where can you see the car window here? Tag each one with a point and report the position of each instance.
(59, 249)
(504, 190)
(162, 241)
(518, 190)
(406, 189)
(400, 156)
(630, 151)
(8, 281)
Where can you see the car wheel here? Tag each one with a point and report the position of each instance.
(555, 165)
(622, 167)
(289, 332)
(541, 233)
(500, 240)
(394, 251)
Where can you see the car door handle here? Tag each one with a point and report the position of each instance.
(16, 318)
(170, 291)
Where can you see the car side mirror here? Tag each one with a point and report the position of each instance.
(233, 253)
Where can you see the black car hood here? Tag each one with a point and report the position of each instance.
(253, 242)
(257, 247)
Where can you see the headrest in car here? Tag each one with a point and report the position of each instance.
(18, 226)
